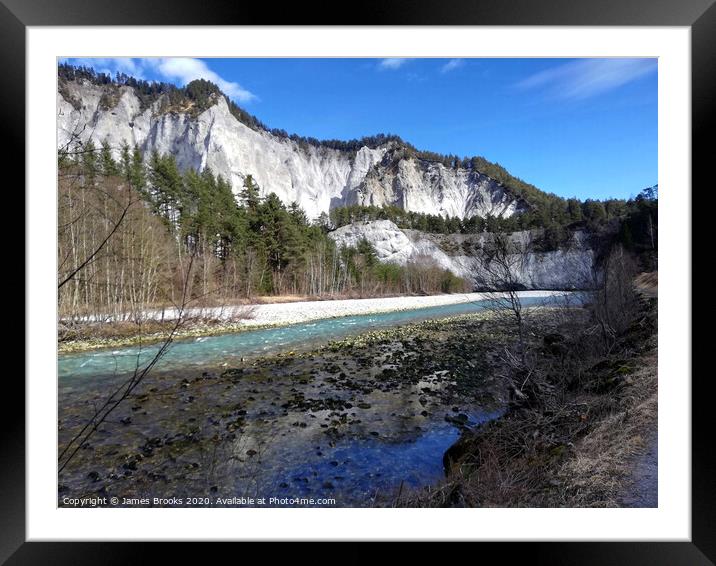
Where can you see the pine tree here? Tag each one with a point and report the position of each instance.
(166, 187)
(125, 160)
(131, 167)
(298, 214)
(250, 193)
(107, 165)
(324, 222)
(574, 210)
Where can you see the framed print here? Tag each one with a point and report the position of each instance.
(394, 279)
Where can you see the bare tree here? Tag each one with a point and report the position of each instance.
(81, 194)
(615, 299)
(499, 277)
(124, 390)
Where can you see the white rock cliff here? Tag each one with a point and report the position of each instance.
(568, 268)
(317, 178)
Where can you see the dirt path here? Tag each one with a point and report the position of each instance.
(642, 491)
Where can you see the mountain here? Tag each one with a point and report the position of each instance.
(207, 130)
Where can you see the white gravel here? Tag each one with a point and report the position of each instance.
(289, 313)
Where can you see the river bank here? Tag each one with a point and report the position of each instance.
(581, 433)
(197, 322)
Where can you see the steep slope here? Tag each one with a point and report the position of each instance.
(422, 186)
(567, 268)
(318, 178)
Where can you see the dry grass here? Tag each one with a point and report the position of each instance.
(88, 336)
(115, 330)
(603, 459)
(273, 299)
(648, 284)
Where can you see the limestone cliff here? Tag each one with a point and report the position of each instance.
(569, 267)
(317, 177)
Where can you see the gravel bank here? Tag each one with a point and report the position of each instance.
(290, 313)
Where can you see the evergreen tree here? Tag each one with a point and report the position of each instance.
(593, 211)
(574, 210)
(324, 222)
(166, 187)
(136, 173)
(125, 161)
(107, 165)
(250, 193)
(299, 216)
(367, 251)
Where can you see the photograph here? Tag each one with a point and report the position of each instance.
(392, 278)
(357, 282)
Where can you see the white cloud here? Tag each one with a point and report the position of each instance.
(176, 69)
(186, 69)
(588, 77)
(392, 63)
(451, 65)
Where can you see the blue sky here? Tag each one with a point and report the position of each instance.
(575, 127)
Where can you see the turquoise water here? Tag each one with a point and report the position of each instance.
(229, 348)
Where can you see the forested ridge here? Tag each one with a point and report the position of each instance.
(633, 222)
(157, 220)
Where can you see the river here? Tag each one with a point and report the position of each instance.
(274, 413)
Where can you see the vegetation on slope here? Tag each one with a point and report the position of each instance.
(147, 221)
(634, 220)
(156, 217)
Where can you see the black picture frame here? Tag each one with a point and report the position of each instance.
(699, 15)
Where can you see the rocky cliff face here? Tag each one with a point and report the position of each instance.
(318, 178)
(567, 268)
